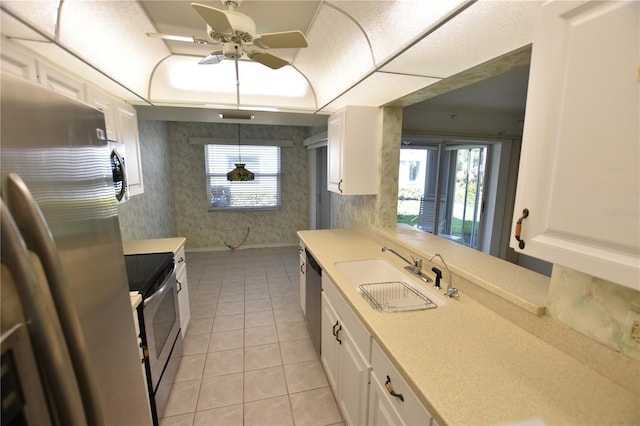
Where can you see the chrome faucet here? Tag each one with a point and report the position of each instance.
(451, 290)
(415, 264)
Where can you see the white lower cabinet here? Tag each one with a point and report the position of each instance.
(359, 372)
(391, 400)
(303, 277)
(346, 346)
(180, 261)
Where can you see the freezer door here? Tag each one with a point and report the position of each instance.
(54, 144)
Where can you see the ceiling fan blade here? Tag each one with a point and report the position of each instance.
(282, 40)
(212, 59)
(217, 19)
(268, 59)
(187, 39)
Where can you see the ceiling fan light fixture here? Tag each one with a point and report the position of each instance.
(236, 115)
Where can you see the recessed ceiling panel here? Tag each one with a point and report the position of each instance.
(42, 14)
(14, 29)
(179, 79)
(484, 31)
(113, 39)
(338, 54)
(391, 25)
(179, 18)
(380, 89)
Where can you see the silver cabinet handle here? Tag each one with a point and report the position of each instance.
(39, 239)
(44, 327)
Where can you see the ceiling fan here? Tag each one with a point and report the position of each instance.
(234, 34)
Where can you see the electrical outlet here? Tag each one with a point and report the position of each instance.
(635, 331)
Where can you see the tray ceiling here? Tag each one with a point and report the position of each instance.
(371, 52)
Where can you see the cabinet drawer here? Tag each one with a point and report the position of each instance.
(179, 257)
(411, 409)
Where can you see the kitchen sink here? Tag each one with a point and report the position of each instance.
(387, 288)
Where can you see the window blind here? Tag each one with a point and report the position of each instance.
(263, 193)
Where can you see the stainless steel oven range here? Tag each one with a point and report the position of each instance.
(153, 275)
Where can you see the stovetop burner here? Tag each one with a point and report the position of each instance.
(146, 270)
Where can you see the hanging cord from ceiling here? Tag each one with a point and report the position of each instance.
(244, 240)
(237, 81)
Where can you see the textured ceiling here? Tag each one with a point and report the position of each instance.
(370, 52)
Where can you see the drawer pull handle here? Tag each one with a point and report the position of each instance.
(334, 328)
(525, 214)
(181, 259)
(387, 385)
(179, 285)
(302, 268)
(338, 334)
(340, 186)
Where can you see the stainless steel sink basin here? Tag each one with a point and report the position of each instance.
(390, 288)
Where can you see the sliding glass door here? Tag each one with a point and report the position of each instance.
(467, 191)
(441, 189)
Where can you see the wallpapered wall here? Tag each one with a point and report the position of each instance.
(595, 307)
(378, 210)
(204, 229)
(151, 214)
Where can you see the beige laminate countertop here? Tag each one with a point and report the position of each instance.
(469, 365)
(155, 245)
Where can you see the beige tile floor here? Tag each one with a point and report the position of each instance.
(248, 358)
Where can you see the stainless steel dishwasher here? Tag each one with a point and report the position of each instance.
(313, 299)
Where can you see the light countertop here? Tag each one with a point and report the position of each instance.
(469, 365)
(155, 245)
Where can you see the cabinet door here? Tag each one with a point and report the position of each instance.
(381, 412)
(18, 63)
(335, 139)
(330, 345)
(61, 82)
(105, 103)
(303, 278)
(353, 380)
(579, 176)
(183, 291)
(127, 128)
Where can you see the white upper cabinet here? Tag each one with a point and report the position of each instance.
(18, 63)
(579, 173)
(60, 82)
(105, 103)
(127, 127)
(353, 142)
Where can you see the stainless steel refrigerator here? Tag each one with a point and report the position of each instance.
(70, 353)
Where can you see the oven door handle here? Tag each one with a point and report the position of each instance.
(166, 286)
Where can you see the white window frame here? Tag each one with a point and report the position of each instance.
(223, 195)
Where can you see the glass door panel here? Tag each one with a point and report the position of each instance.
(441, 190)
(467, 195)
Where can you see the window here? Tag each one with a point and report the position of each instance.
(263, 193)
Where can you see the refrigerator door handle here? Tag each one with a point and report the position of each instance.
(44, 327)
(39, 239)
